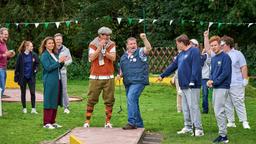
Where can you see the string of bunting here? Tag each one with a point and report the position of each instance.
(130, 21)
(45, 24)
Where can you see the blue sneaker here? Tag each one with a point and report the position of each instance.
(221, 139)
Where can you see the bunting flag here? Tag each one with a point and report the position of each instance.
(141, 20)
(219, 25)
(57, 24)
(36, 25)
(46, 24)
(171, 22)
(201, 23)
(250, 24)
(210, 24)
(26, 24)
(130, 22)
(7, 25)
(119, 20)
(182, 22)
(68, 24)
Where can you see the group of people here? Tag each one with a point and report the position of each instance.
(55, 58)
(220, 67)
(133, 69)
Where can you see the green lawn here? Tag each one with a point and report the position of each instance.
(158, 108)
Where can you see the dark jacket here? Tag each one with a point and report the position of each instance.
(135, 71)
(19, 68)
(51, 73)
(221, 69)
(189, 68)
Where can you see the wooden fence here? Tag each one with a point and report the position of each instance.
(160, 58)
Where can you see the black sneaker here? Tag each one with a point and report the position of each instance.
(221, 139)
(129, 127)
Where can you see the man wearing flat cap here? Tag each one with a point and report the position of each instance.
(102, 54)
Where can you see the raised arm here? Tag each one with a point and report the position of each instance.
(147, 45)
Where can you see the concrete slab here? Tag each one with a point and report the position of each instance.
(13, 95)
(103, 136)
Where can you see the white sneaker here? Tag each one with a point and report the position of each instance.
(56, 125)
(24, 110)
(86, 125)
(108, 125)
(185, 130)
(230, 124)
(198, 133)
(246, 125)
(66, 110)
(33, 111)
(48, 126)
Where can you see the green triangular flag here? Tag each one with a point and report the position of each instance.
(109, 18)
(46, 24)
(26, 24)
(201, 23)
(68, 24)
(129, 21)
(7, 25)
(219, 25)
(182, 22)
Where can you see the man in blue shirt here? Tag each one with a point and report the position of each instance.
(188, 63)
(134, 70)
(220, 79)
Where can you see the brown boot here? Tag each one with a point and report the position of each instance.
(129, 127)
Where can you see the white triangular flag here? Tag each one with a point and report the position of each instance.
(171, 22)
(119, 20)
(250, 24)
(141, 20)
(36, 25)
(210, 24)
(154, 21)
(57, 24)
(17, 24)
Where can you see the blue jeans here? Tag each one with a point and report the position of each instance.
(133, 92)
(205, 95)
(2, 79)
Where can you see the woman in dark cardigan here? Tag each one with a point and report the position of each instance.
(25, 73)
(51, 81)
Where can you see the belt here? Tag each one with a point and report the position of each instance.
(101, 77)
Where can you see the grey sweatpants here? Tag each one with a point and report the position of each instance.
(64, 90)
(219, 97)
(236, 99)
(190, 108)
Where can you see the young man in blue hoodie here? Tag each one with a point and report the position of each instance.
(188, 63)
(220, 79)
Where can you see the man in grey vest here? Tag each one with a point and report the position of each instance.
(134, 69)
(63, 51)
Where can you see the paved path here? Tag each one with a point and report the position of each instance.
(13, 95)
(103, 136)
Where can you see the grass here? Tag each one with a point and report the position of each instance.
(158, 108)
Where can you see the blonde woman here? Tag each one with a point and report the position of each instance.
(25, 73)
